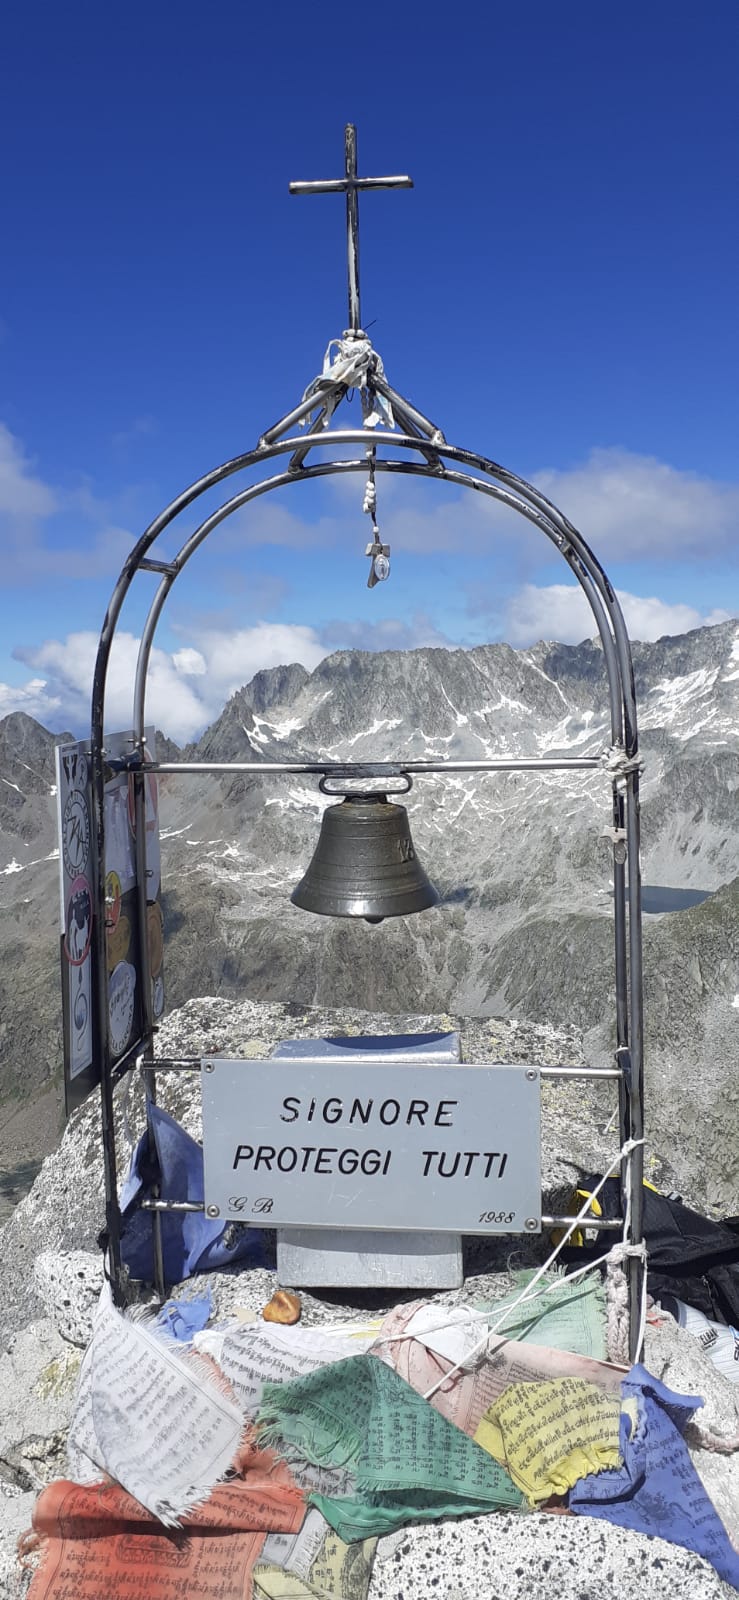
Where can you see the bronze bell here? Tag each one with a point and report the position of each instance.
(364, 864)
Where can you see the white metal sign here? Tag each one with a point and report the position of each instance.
(361, 1145)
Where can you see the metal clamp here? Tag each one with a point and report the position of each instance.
(384, 787)
(617, 837)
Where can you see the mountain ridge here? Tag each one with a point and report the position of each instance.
(525, 921)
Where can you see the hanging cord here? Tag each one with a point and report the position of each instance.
(378, 552)
(527, 1295)
(369, 504)
(350, 367)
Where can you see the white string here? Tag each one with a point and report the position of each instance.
(526, 1294)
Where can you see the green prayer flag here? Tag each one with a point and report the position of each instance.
(407, 1462)
(572, 1316)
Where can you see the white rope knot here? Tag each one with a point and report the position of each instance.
(618, 765)
(619, 1253)
(348, 364)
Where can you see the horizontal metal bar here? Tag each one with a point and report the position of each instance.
(170, 1064)
(581, 1072)
(390, 769)
(169, 568)
(192, 1064)
(125, 1062)
(340, 185)
(606, 1224)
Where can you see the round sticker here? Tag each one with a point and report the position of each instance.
(79, 922)
(81, 1010)
(121, 992)
(75, 834)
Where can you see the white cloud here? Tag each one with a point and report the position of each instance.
(34, 697)
(189, 687)
(21, 494)
(413, 515)
(632, 505)
(186, 689)
(560, 611)
(190, 663)
(233, 658)
(27, 504)
(624, 505)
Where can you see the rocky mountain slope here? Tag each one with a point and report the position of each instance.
(30, 989)
(524, 925)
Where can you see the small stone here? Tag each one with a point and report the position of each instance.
(283, 1307)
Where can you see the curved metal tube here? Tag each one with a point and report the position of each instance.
(407, 468)
(522, 497)
(563, 531)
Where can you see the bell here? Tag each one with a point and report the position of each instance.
(364, 864)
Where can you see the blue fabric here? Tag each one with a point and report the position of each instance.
(191, 1242)
(180, 1319)
(657, 1490)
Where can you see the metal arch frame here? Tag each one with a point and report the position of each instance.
(461, 468)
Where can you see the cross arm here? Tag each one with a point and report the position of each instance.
(340, 185)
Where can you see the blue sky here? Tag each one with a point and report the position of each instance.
(557, 291)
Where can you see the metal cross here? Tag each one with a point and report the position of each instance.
(350, 185)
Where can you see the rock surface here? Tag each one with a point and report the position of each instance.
(38, 1377)
(50, 1272)
(537, 1557)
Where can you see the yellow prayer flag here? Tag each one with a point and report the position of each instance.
(548, 1435)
